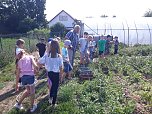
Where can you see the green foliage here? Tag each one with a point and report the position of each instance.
(39, 33)
(112, 93)
(26, 24)
(65, 94)
(7, 51)
(143, 50)
(20, 16)
(58, 29)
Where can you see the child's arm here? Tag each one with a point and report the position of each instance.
(17, 78)
(61, 73)
(61, 66)
(34, 64)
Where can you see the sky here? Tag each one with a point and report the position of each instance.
(80, 9)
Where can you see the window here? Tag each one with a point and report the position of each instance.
(63, 18)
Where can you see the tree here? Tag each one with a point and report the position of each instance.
(57, 29)
(148, 13)
(26, 24)
(16, 15)
(104, 16)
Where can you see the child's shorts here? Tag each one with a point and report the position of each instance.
(67, 67)
(27, 80)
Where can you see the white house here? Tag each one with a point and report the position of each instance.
(63, 17)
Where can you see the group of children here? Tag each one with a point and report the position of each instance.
(105, 43)
(57, 66)
(56, 61)
(88, 47)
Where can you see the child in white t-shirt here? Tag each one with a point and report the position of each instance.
(84, 54)
(54, 64)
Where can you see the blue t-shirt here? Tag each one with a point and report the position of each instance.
(65, 54)
(83, 44)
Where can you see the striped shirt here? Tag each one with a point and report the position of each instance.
(73, 37)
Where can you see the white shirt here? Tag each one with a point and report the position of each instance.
(18, 50)
(83, 43)
(51, 64)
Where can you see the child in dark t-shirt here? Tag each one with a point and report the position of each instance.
(41, 47)
(116, 43)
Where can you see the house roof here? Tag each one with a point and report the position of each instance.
(60, 13)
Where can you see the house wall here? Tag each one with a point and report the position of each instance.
(64, 19)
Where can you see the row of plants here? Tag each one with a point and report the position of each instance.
(119, 86)
(143, 50)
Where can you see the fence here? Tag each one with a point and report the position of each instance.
(127, 36)
(129, 31)
(7, 42)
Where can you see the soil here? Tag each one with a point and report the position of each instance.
(8, 94)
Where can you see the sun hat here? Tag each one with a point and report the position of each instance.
(67, 43)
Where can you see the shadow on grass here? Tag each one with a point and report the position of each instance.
(13, 93)
(9, 94)
(25, 111)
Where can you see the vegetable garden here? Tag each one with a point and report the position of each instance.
(122, 84)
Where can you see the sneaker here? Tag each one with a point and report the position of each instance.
(33, 108)
(18, 106)
(50, 100)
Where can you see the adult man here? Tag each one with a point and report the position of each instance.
(73, 36)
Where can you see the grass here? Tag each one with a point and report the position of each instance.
(7, 74)
(7, 51)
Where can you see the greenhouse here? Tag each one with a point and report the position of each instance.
(130, 31)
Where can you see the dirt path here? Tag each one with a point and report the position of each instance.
(8, 95)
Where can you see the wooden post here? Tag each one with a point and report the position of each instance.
(128, 36)
(124, 34)
(149, 33)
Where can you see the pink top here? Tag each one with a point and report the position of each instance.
(25, 65)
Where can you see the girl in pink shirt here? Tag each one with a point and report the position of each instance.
(19, 47)
(25, 67)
